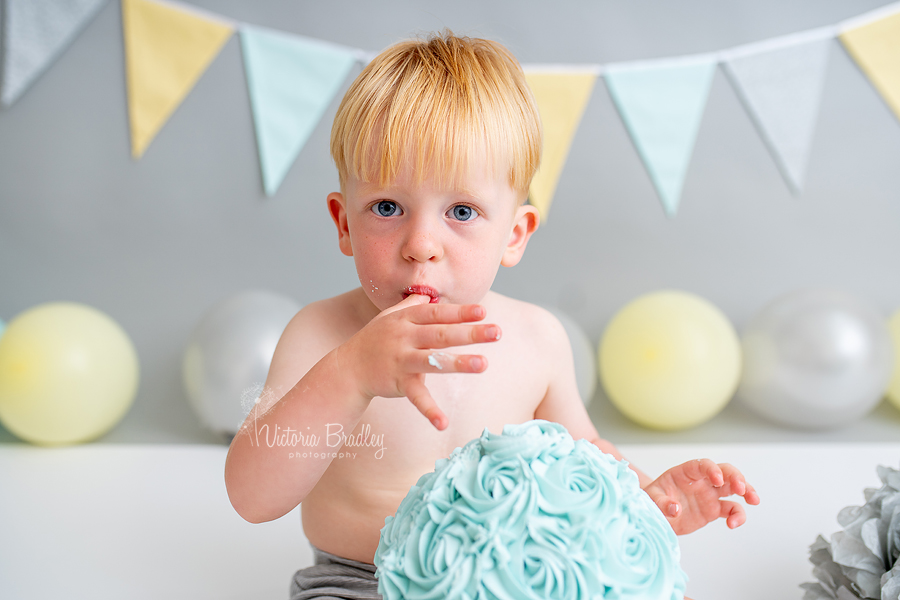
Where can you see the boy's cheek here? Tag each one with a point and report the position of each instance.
(374, 281)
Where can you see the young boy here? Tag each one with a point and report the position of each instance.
(436, 143)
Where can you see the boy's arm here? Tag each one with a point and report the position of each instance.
(304, 388)
(562, 403)
(689, 495)
(388, 357)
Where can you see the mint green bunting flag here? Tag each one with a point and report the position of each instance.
(661, 104)
(292, 80)
(781, 89)
(35, 33)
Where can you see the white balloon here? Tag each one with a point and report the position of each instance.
(583, 355)
(228, 356)
(815, 359)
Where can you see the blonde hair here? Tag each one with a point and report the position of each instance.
(435, 106)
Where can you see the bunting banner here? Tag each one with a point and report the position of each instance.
(661, 104)
(34, 35)
(292, 81)
(780, 84)
(562, 95)
(167, 49)
(875, 47)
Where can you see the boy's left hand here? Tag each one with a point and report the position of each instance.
(689, 495)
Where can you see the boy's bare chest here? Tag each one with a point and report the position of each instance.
(372, 479)
(509, 391)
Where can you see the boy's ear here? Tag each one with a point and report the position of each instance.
(338, 212)
(526, 222)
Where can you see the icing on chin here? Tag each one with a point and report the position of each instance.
(524, 515)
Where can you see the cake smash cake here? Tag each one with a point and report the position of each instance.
(529, 514)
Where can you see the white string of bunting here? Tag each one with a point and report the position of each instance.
(292, 79)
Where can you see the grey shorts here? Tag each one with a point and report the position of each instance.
(335, 578)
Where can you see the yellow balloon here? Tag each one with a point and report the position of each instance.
(670, 360)
(893, 392)
(68, 374)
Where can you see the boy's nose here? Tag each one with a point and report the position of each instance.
(422, 246)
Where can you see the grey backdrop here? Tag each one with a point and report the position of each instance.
(154, 243)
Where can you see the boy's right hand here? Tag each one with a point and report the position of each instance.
(390, 356)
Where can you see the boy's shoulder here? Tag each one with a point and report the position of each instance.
(529, 320)
(333, 320)
(322, 326)
(317, 329)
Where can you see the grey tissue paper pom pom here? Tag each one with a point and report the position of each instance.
(862, 560)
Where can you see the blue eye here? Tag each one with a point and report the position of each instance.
(461, 212)
(386, 208)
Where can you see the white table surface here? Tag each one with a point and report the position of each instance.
(153, 521)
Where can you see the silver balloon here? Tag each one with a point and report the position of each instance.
(815, 359)
(583, 355)
(228, 355)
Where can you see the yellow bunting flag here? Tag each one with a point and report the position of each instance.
(876, 49)
(166, 51)
(561, 97)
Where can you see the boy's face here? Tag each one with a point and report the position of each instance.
(427, 239)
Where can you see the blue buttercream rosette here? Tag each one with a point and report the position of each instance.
(529, 514)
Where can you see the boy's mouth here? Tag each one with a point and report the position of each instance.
(421, 290)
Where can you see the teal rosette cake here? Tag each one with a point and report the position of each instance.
(529, 514)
